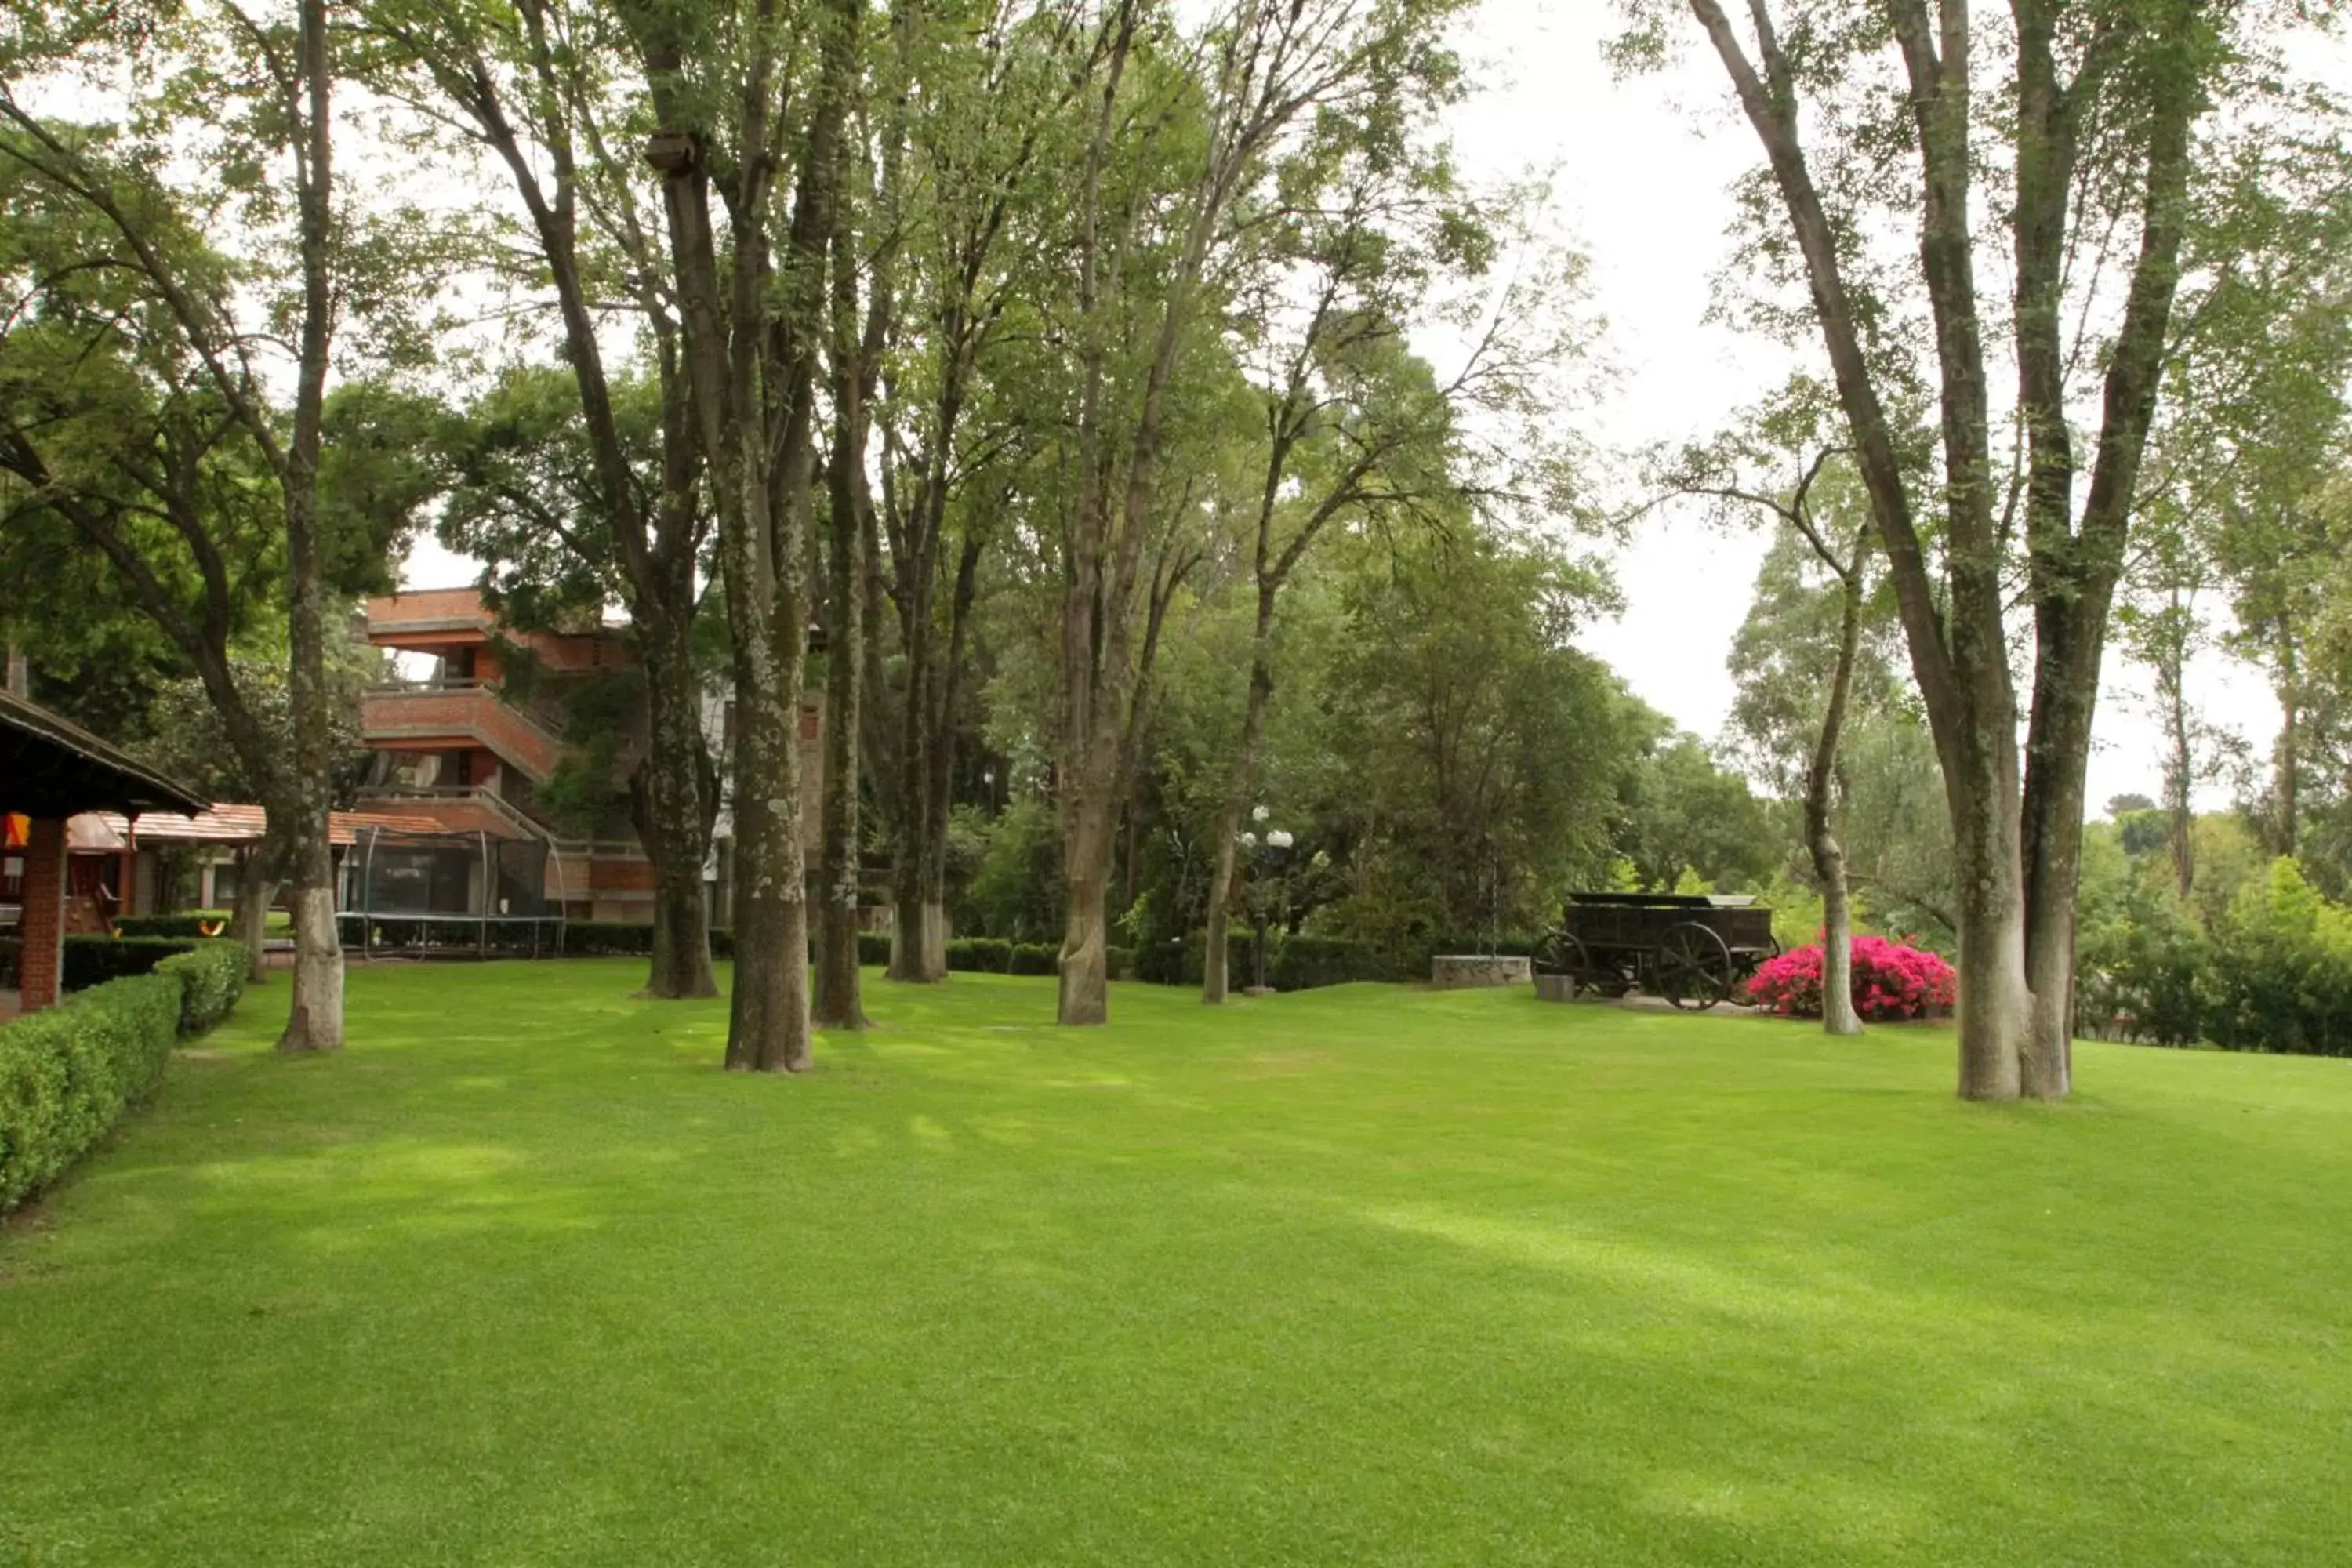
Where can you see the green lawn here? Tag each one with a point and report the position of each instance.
(1365, 1275)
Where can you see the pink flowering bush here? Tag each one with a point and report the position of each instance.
(1890, 981)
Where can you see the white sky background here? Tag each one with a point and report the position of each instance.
(1643, 176)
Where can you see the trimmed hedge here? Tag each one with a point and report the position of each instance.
(1036, 958)
(212, 978)
(1304, 962)
(189, 923)
(615, 939)
(92, 960)
(1292, 963)
(67, 1072)
(981, 954)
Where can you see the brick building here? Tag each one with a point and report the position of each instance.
(472, 735)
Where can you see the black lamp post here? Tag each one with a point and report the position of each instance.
(1271, 855)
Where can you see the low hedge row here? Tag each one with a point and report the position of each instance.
(188, 923)
(92, 960)
(1304, 962)
(1292, 963)
(69, 1072)
(212, 978)
(614, 939)
(995, 955)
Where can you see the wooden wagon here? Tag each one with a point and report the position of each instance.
(1693, 949)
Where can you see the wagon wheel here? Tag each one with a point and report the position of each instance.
(1560, 954)
(1611, 973)
(1693, 967)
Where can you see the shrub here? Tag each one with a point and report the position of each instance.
(94, 959)
(1036, 958)
(1891, 981)
(1177, 960)
(68, 1071)
(872, 948)
(2142, 974)
(1303, 963)
(2281, 978)
(212, 977)
(984, 954)
(612, 939)
(1119, 961)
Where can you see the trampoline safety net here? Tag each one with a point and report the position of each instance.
(423, 893)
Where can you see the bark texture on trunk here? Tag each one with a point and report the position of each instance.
(750, 352)
(316, 1020)
(768, 1016)
(1085, 991)
(674, 798)
(257, 890)
(1216, 983)
(1838, 1015)
(840, 1002)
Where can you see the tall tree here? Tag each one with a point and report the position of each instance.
(752, 324)
(1840, 547)
(854, 349)
(977, 214)
(1373, 236)
(545, 87)
(264, 85)
(2088, 114)
(1146, 269)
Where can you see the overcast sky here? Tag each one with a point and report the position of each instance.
(1642, 173)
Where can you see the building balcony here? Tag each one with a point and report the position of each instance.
(442, 715)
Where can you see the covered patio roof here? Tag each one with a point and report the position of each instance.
(230, 826)
(51, 767)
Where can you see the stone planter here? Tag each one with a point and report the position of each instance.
(1470, 971)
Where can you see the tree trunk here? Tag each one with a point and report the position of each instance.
(768, 1017)
(673, 796)
(911, 958)
(1215, 982)
(1838, 1015)
(1995, 1005)
(1084, 992)
(316, 1020)
(839, 1003)
(257, 888)
(2286, 760)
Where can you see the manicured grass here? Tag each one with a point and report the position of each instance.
(1355, 1276)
